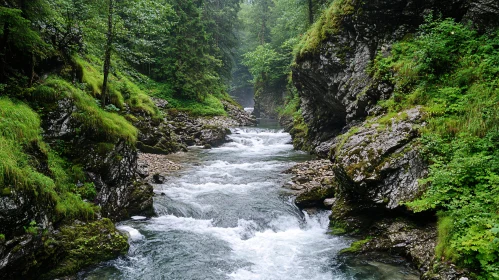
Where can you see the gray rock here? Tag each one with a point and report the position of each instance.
(158, 179)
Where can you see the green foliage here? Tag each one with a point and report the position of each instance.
(20, 35)
(2, 237)
(262, 63)
(121, 89)
(444, 248)
(20, 130)
(211, 105)
(453, 73)
(105, 125)
(32, 228)
(292, 104)
(329, 23)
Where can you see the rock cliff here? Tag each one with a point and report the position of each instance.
(371, 160)
(332, 75)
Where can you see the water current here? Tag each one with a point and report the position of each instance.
(225, 216)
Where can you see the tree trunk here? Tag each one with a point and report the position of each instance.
(3, 49)
(107, 55)
(311, 12)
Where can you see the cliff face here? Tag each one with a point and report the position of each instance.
(332, 77)
(373, 159)
(268, 97)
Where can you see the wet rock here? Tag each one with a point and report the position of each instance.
(207, 146)
(269, 97)
(312, 182)
(329, 202)
(158, 179)
(159, 165)
(143, 170)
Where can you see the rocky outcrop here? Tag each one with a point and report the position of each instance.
(378, 161)
(335, 87)
(370, 171)
(268, 97)
(110, 164)
(312, 183)
(62, 252)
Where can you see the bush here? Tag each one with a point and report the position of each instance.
(453, 72)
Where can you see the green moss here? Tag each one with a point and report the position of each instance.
(106, 125)
(338, 228)
(121, 89)
(356, 246)
(343, 138)
(20, 128)
(300, 132)
(86, 244)
(329, 23)
(2, 237)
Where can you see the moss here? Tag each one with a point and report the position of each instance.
(121, 89)
(19, 128)
(86, 244)
(356, 246)
(329, 23)
(342, 141)
(104, 125)
(2, 237)
(316, 194)
(300, 132)
(337, 229)
(6, 192)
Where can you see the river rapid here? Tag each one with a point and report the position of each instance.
(225, 216)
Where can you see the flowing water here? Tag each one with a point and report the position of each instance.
(225, 216)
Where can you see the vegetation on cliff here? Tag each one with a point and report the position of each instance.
(453, 72)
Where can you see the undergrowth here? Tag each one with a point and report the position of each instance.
(453, 72)
(20, 133)
(329, 23)
(105, 125)
(210, 105)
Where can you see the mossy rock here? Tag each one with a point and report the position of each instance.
(356, 247)
(85, 244)
(315, 196)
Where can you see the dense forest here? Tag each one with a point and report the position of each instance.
(85, 85)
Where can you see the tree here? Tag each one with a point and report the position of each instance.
(107, 55)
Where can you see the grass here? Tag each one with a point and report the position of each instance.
(211, 105)
(20, 130)
(329, 23)
(104, 125)
(121, 89)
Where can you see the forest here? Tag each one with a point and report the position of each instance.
(85, 86)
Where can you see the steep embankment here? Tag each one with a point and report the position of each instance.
(391, 95)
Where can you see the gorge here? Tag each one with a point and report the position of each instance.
(123, 154)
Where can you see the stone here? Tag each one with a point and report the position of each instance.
(329, 202)
(207, 146)
(158, 179)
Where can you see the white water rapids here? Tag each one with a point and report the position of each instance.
(225, 216)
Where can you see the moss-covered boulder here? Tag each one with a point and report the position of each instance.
(80, 245)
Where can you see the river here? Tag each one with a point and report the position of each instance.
(225, 216)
